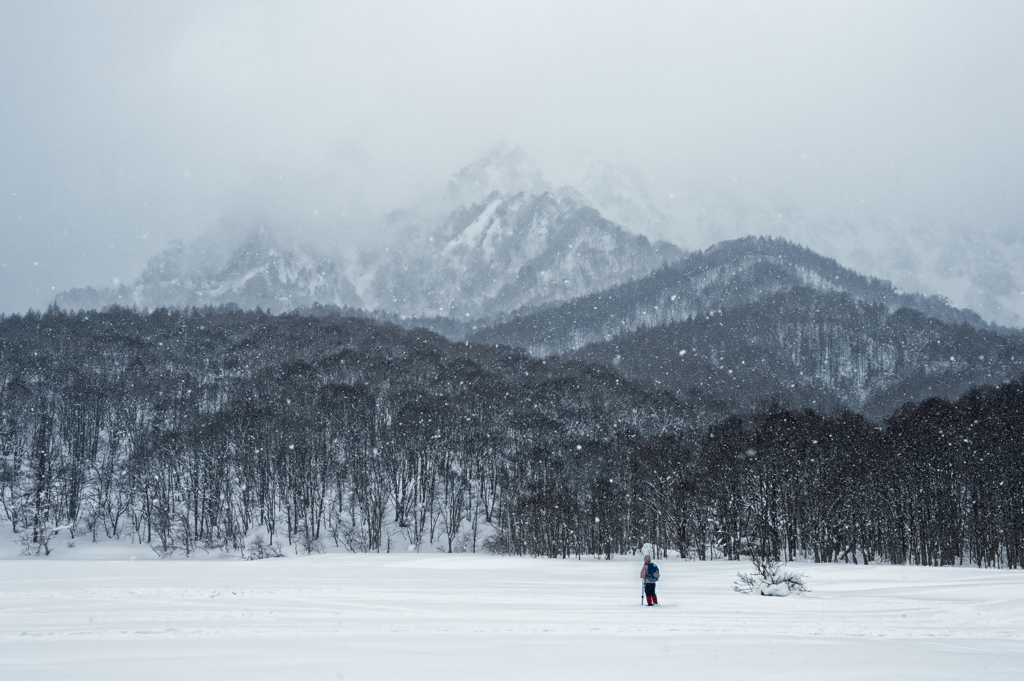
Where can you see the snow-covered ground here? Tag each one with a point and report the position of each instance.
(344, 616)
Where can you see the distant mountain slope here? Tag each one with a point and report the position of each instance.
(727, 275)
(817, 348)
(509, 252)
(259, 272)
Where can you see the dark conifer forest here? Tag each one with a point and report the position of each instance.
(192, 430)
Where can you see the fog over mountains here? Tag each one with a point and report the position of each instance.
(974, 268)
(500, 238)
(503, 257)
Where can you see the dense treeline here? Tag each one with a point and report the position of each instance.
(191, 429)
(222, 429)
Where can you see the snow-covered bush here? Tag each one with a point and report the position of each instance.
(259, 548)
(770, 578)
(309, 542)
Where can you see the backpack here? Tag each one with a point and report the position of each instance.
(652, 570)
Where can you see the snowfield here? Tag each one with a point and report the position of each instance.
(409, 616)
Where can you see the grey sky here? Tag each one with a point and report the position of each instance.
(125, 125)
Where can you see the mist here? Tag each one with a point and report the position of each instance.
(886, 136)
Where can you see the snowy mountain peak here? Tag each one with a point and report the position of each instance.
(506, 170)
(510, 251)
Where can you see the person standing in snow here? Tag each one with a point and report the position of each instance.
(649, 574)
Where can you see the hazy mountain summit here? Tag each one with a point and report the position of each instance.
(503, 169)
(625, 196)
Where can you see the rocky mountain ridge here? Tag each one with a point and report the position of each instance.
(521, 244)
(703, 283)
(506, 253)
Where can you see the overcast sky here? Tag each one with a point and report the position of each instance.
(126, 125)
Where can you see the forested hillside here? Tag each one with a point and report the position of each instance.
(757, 319)
(727, 275)
(190, 429)
(818, 349)
(222, 430)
